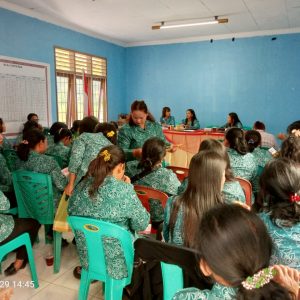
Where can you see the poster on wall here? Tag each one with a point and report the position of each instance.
(24, 89)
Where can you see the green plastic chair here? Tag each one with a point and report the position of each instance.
(22, 240)
(57, 158)
(35, 200)
(172, 280)
(94, 231)
(11, 158)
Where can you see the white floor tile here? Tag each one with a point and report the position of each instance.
(55, 292)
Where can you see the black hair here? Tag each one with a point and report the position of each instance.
(235, 244)
(193, 116)
(280, 180)
(108, 158)
(253, 139)
(153, 151)
(290, 148)
(31, 115)
(30, 139)
(88, 124)
(235, 118)
(108, 130)
(1, 125)
(142, 106)
(30, 125)
(75, 126)
(56, 126)
(294, 125)
(61, 134)
(164, 110)
(236, 139)
(259, 125)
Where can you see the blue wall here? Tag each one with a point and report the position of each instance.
(28, 38)
(255, 77)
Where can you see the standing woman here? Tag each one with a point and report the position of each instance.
(141, 127)
(85, 148)
(166, 118)
(31, 153)
(233, 121)
(191, 121)
(183, 213)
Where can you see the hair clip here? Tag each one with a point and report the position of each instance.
(294, 197)
(106, 155)
(251, 141)
(296, 132)
(110, 134)
(259, 279)
(25, 142)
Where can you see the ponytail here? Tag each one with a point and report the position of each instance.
(236, 139)
(253, 139)
(30, 139)
(108, 158)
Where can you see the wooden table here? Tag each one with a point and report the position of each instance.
(190, 142)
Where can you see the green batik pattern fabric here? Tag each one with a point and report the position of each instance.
(6, 221)
(232, 191)
(115, 202)
(218, 292)
(243, 166)
(168, 121)
(5, 175)
(6, 144)
(50, 140)
(133, 137)
(286, 242)
(42, 163)
(85, 148)
(177, 237)
(60, 150)
(196, 124)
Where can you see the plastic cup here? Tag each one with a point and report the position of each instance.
(49, 260)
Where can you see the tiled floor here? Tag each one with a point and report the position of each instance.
(62, 285)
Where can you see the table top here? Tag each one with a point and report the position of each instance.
(194, 132)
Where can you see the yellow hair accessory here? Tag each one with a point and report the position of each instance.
(110, 134)
(106, 155)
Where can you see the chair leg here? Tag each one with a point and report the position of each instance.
(47, 229)
(31, 263)
(113, 290)
(57, 236)
(84, 285)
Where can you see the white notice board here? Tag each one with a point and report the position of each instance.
(24, 88)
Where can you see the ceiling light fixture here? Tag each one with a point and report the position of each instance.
(170, 24)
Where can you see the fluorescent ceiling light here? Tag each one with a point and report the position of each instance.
(169, 25)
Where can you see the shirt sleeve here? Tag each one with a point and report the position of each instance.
(196, 125)
(166, 229)
(124, 141)
(160, 134)
(5, 177)
(172, 183)
(59, 180)
(76, 157)
(4, 203)
(172, 122)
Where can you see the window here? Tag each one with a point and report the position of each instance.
(76, 73)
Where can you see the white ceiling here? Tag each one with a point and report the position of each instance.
(128, 22)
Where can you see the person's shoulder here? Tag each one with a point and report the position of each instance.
(191, 294)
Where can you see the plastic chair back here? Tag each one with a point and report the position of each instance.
(180, 172)
(21, 240)
(57, 158)
(172, 279)
(34, 196)
(145, 193)
(11, 158)
(93, 231)
(247, 188)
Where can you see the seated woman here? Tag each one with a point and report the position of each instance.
(12, 227)
(55, 127)
(5, 144)
(149, 171)
(106, 194)
(60, 146)
(279, 203)
(109, 130)
(191, 121)
(140, 128)
(32, 158)
(27, 126)
(243, 163)
(233, 121)
(235, 252)
(85, 148)
(232, 190)
(183, 213)
(166, 119)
